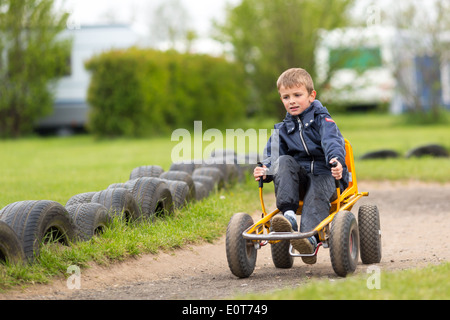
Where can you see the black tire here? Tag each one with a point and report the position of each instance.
(369, 234)
(241, 253)
(181, 176)
(344, 243)
(11, 250)
(207, 182)
(38, 222)
(200, 191)
(89, 219)
(180, 193)
(431, 150)
(146, 171)
(280, 254)
(119, 202)
(117, 185)
(214, 173)
(152, 196)
(80, 199)
(183, 166)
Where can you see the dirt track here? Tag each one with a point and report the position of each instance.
(413, 218)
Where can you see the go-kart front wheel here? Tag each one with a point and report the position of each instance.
(241, 253)
(344, 243)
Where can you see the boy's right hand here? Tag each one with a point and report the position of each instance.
(260, 172)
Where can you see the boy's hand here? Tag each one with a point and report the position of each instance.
(260, 172)
(337, 171)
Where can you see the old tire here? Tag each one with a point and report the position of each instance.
(214, 173)
(146, 171)
(241, 253)
(180, 193)
(152, 196)
(344, 243)
(89, 219)
(119, 202)
(37, 222)
(11, 250)
(200, 191)
(181, 176)
(80, 199)
(369, 234)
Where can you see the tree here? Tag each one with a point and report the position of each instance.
(270, 36)
(31, 58)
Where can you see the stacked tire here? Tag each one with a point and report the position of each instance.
(149, 193)
(38, 222)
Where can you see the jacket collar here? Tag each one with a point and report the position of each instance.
(306, 116)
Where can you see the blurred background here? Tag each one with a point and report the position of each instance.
(146, 67)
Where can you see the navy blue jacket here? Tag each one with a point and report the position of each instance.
(312, 138)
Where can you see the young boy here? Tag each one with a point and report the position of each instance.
(309, 141)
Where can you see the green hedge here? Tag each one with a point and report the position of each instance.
(137, 92)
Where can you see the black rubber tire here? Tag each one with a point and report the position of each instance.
(241, 253)
(37, 222)
(80, 198)
(200, 191)
(146, 171)
(214, 173)
(181, 176)
(152, 196)
(180, 193)
(369, 234)
(11, 250)
(89, 219)
(280, 254)
(344, 243)
(431, 150)
(207, 182)
(119, 202)
(183, 166)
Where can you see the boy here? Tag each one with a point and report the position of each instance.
(309, 142)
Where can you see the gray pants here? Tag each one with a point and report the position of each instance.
(293, 183)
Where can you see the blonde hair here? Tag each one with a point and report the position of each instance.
(296, 77)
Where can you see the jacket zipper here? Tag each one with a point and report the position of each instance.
(304, 143)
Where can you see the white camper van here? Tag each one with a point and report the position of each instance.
(71, 107)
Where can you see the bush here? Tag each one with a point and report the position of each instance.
(138, 92)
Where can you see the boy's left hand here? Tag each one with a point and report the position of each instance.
(337, 171)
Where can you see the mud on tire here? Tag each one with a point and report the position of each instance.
(241, 253)
(344, 243)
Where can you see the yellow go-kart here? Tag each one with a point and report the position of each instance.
(346, 237)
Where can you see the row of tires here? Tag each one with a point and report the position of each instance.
(149, 193)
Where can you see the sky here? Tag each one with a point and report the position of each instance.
(138, 12)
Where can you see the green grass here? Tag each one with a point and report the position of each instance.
(58, 168)
(431, 283)
(198, 222)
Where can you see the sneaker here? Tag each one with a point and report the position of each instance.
(306, 246)
(292, 217)
(281, 224)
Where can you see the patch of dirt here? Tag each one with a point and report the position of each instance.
(414, 220)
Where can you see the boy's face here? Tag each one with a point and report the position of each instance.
(296, 99)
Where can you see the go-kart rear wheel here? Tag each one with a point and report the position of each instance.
(369, 234)
(344, 243)
(241, 253)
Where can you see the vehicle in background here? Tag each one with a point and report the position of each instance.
(71, 107)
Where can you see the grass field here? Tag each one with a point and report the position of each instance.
(58, 168)
(431, 283)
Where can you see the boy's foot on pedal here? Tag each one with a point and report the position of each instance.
(285, 223)
(306, 246)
